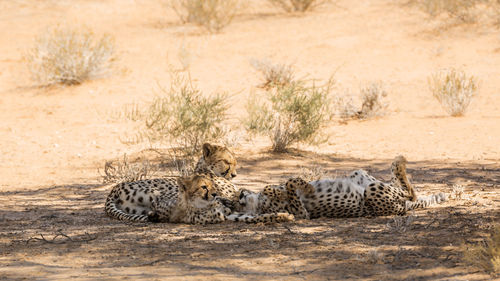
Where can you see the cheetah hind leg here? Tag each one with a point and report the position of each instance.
(400, 178)
(295, 205)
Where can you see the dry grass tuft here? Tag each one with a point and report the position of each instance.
(124, 171)
(290, 6)
(460, 10)
(454, 89)
(458, 192)
(401, 224)
(345, 107)
(373, 103)
(213, 15)
(312, 173)
(275, 75)
(485, 255)
(69, 57)
(374, 257)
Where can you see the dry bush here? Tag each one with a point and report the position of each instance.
(294, 112)
(454, 89)
(290, 6)
(275, 75)
(65, 56)
(178, 163)
(184, 115)
(124, 171)
(173, 163)
(372, 103)
(213, 15)
(485, 255)
(459, 10)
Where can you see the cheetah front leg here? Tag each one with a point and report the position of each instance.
(426, 201)
(262, 218)
(215, 212)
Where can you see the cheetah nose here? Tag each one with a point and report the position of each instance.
(233, 175)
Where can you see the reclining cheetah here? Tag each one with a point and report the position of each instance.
(197, 203)
(357, 195)
(132, 201)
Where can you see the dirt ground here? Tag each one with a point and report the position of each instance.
(54, 140)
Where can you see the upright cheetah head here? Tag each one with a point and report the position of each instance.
(220, 160)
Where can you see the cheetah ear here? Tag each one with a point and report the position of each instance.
(207, 149)
(183, 183)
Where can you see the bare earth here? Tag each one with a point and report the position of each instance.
(54, 141)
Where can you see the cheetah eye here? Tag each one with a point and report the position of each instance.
(204, 187)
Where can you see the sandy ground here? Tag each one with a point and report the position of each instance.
(54, 140)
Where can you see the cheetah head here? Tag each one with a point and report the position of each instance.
(220, 160)
(248, 201)
(197, 190)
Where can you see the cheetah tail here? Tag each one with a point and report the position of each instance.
(113, 211)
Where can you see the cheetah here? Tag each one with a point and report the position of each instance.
(197, 203)
(357, 195)
(275, 199)
(360, 194)
(132, 201)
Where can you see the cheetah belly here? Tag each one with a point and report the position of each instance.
(335, 198)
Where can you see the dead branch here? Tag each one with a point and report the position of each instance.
(60, 234)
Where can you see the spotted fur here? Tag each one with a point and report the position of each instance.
(276, 199)
(360, 194)
(197, 203)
